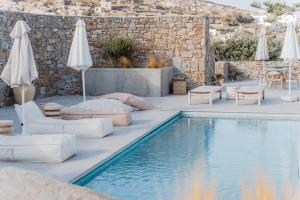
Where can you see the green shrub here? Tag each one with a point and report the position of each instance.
(242, 47)
(120, 46)
(277, 8)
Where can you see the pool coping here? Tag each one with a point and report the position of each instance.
(246, 115)
(189, 113)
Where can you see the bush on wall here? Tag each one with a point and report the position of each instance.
(119, 46)
(120, 51)
(242, 47)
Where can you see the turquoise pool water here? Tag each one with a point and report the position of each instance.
(194, 153)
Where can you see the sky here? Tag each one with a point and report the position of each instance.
(244, 4)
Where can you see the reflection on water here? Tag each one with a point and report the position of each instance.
(212, 158)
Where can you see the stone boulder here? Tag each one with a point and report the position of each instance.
(18, 184)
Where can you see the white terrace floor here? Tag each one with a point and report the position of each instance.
(93, 151)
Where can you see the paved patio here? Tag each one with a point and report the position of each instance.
(94, 151)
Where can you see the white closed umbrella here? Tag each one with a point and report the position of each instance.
(290, 52)
(262, 52)
(20, 69)
(80, 58)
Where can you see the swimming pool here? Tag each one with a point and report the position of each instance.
(192, 153)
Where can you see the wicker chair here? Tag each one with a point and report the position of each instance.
(296, 76)
(276, 79)
(259, 69)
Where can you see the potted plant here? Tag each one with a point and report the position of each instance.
(219, 79)
(212, 80)
(120, 51)
(29, 92)
(238, 75)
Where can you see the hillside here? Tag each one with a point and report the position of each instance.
(118, 7)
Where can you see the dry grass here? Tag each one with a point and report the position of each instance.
(109, 63)
(125, 62)
(153, 62)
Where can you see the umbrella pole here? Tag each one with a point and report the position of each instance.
(264, 73)
(23, 111)
(290, 74)
(83, 85)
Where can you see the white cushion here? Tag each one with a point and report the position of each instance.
(37, 123)
(32, 111)
(89, 128)
(37, 148)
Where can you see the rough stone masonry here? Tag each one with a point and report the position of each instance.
(184, 40)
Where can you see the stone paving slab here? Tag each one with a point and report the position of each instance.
(93, 151)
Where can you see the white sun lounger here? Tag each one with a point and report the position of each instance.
(254, 92)
(205, 92)
(37, 148)
(37, 123)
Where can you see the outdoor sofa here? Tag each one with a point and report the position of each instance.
(38, 123)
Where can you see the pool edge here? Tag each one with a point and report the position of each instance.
(158, 126)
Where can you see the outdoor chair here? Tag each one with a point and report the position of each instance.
(295, 77)
(206, 92)
(37, 123)
(276, 79)
(260, 73)
(253, 92)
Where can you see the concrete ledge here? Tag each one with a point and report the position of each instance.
(138, 81)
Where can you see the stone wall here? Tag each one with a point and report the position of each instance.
(250, 69)
(222, 68)
(184, 40)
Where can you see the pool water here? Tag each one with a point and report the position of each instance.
(223, 155)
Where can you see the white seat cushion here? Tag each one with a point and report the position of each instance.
(251, 89)
(207, 89)
(37, 123)
(32, 111)
(37, 148)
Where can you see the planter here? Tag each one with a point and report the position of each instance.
(29, 94)
(239, 77)
(179, 87)
(138, 81)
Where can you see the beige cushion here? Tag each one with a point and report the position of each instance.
(103, 104)
(6, 123)
(120, 117)
(207, 89)
(250, 89)
(6, 129)
(129, 99)
(50, 106)
(52, 113)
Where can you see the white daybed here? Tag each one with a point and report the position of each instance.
(38, 123)
(37, 148)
